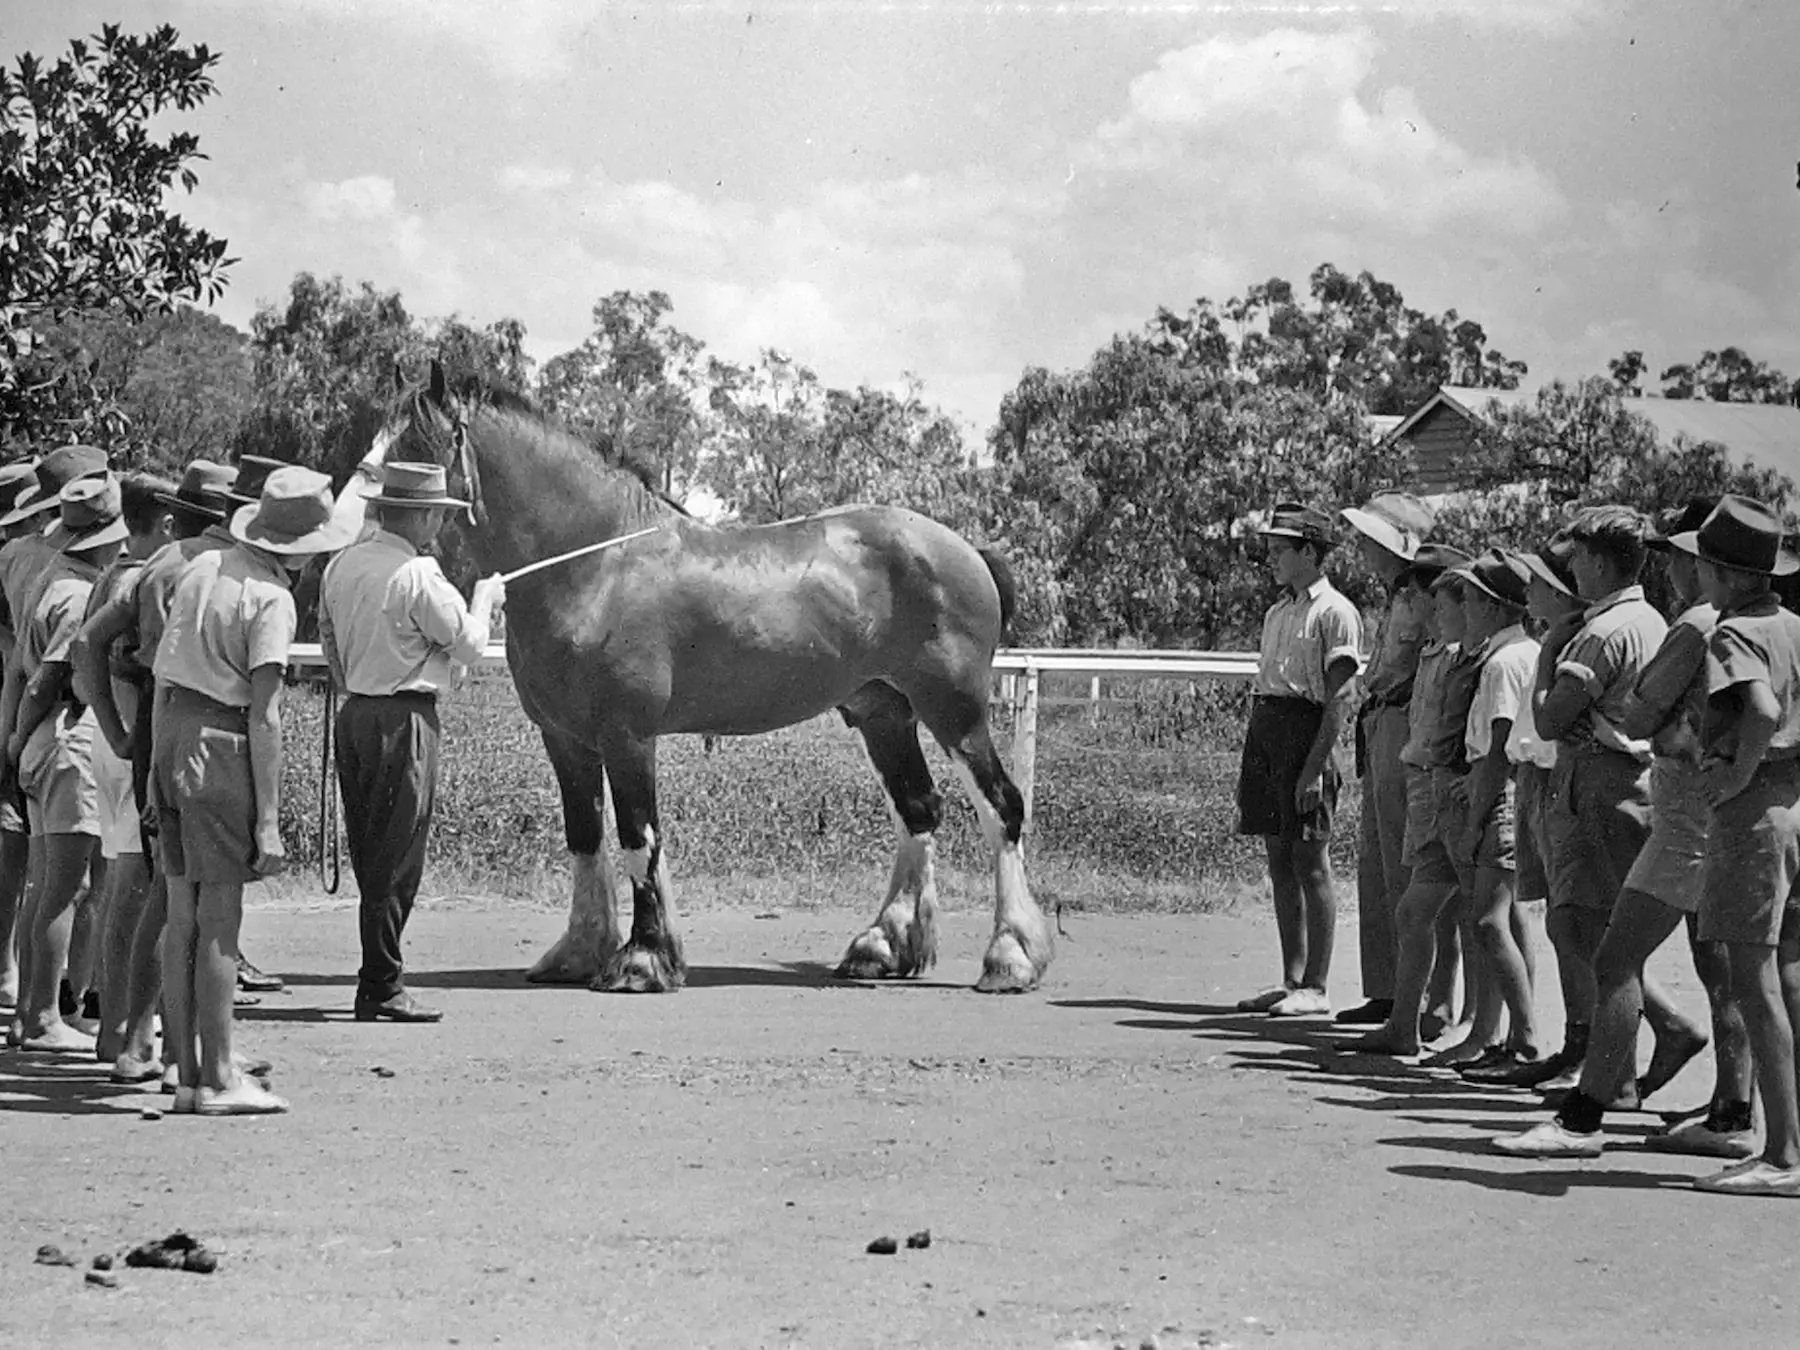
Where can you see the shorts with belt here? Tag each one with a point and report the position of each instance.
(1671, 867)
(205, 795)
(56, 771)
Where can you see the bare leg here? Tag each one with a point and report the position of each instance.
(592, 935)
(144, 986)
(1640, 924)
(180, 934)
(1446, 971)
(89, 926)
(24, 933)
(1290, 909)
(903, 939)
(1734, 1078)
(219, 915)
(1756, 984)
(1505, 963)
(128, 893)
(67, 859)
(14, 858)
(1417, 921)
(1318, 893)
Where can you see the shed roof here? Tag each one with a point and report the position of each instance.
(1766, 435)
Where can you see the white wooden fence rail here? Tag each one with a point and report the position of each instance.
(1020, 670)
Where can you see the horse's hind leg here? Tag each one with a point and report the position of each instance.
(1022, 946)
(903, 939)
(593, 932)
(651, 962)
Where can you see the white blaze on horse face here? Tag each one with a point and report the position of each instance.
(637, 860)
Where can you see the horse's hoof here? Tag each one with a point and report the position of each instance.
(639, 970)
(562, 964)
(1006, 969)
(871, 957)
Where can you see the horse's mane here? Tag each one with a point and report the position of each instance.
(483, 391)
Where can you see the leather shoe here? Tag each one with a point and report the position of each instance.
(1373, 1013)
(400, 1008)
(254, 981)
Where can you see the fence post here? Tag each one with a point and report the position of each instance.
(1094, 701)
(1025, 740)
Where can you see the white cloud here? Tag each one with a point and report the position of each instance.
(534, 178)
(370, 197)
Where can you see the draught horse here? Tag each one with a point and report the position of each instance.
(878, 612)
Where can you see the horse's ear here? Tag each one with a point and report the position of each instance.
(438, 390)
(399, 377)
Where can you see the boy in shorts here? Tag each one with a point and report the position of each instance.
(1662, 889)
(216, 767)
(15, 480)
(148, 528)
(1751, 767)
(52, 742)
(1495, 590)
(1437, 724)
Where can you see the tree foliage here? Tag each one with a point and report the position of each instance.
(85, 229)
(1729, 375)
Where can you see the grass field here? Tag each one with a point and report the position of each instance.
(1135, 811)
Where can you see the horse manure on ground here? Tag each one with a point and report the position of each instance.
(177, 1251)
(883, 1246)
(51, 1255)
(920, 1240)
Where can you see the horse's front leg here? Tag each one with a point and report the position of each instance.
(903, 939)
(593, 932)
(651, 962)
(1022, 945)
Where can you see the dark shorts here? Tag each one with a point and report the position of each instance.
(1531, 783)
(1596, 824)
(206, 799)
(1281, 734)
(1753, 862)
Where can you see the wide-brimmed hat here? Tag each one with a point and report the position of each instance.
(1741, 533)
(55, 471)
(92, 514)
(15, 480)
(1553, 565)
(252, 472)
(1499, 574)
(1431, 562)
(1296, 520)
(204, 491)
(1398, 521)
(1689, 519)
(296, 514)
(409, 483)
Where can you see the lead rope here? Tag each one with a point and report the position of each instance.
(331, 864)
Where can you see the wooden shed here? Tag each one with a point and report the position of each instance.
(1440, 431)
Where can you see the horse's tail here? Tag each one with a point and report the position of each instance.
(1005, 582)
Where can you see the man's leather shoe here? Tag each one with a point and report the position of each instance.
(254, 981)
(400, 1008)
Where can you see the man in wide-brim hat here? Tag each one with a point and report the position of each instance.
(1390, 530)
(1288, 782)
(392, 627)
(215, 783)
(52, 743)
(1752, 773)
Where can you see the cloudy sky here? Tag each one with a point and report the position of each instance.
(962, 189)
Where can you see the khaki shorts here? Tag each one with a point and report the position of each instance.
(1498, 846)
(1753, 862)
(1532, 784)
(119, 824)
(1672, 865)
(205, 798)
(57, 772)
(1596, 822)
(1430, 822)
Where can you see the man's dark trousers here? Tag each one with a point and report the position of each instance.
(387, 759)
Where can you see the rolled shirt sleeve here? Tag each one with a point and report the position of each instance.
(438, 611)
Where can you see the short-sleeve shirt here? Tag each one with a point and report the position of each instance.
(56, 614)
(1672, 686)
(392, 620)
(156, 583)
(1508, 662)
(1303, 635)
(116, 586)
(1394, 663)
(22, 562)
(1616, 640)
(231, 615)
(1439, 717)
(1758, 643)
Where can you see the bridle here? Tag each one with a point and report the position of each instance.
(469, 468)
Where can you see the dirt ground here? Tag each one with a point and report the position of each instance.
(1115, 1160)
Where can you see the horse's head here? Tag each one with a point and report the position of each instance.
(429, 424)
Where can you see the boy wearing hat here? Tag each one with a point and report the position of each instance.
(115, 670)
(216, 767)
(1287, 785)
(1434, 760)
(1389, 530)
(1599, 811)
(1495, 590)
(52, 742)
(391, 626)
(1751, 767)
(1662, 888)
(15, 480)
